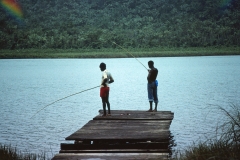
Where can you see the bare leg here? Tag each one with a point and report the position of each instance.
(109, 110)
(108, 105)
(104, 106)
(155, 109)
(150, 102)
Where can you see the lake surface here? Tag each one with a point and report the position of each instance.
(191, 87)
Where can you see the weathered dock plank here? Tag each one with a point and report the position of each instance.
(125, 134)
(126, 130)
(136, 115)
(124, 147)
(111, 156)
(116, 124)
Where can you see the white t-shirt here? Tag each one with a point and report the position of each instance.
(106, 74)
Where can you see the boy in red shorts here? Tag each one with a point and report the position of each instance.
(104, 89)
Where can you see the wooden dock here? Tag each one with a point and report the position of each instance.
(126, 134)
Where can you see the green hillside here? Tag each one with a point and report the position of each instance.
(96, 24)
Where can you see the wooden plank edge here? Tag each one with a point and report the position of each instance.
(110, 156)
(118, 151)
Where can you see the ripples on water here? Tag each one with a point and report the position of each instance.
(191, 87)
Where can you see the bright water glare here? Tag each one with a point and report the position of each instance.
(191, 87)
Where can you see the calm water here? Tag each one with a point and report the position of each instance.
(191, 87)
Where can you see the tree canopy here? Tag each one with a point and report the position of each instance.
(130, 23)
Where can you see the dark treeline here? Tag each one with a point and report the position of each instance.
(63, 24)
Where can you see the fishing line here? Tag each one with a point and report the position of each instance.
(130, 54)
(63, 98)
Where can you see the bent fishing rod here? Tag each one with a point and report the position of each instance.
(63, 98)
(129, 53)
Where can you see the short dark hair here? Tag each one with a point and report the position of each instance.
(103, 65)
(150, 63)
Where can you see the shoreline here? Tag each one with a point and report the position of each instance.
(118, 53)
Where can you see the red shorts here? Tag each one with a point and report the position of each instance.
(104, 91)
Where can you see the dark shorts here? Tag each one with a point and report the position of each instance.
(152, 92)
(104, 91)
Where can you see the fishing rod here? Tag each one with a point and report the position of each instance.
(63, 98)
(130, 54)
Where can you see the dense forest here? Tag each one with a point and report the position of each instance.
(73, 24)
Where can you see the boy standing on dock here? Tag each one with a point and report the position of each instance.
(104, 89)
(152, 86)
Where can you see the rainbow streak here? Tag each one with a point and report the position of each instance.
(13, 8)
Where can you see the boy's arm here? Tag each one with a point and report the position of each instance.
(111, 80)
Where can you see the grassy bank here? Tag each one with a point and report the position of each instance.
(118, 53)
(11, 153)
(225, 147)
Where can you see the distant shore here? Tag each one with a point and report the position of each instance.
(117, 53)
